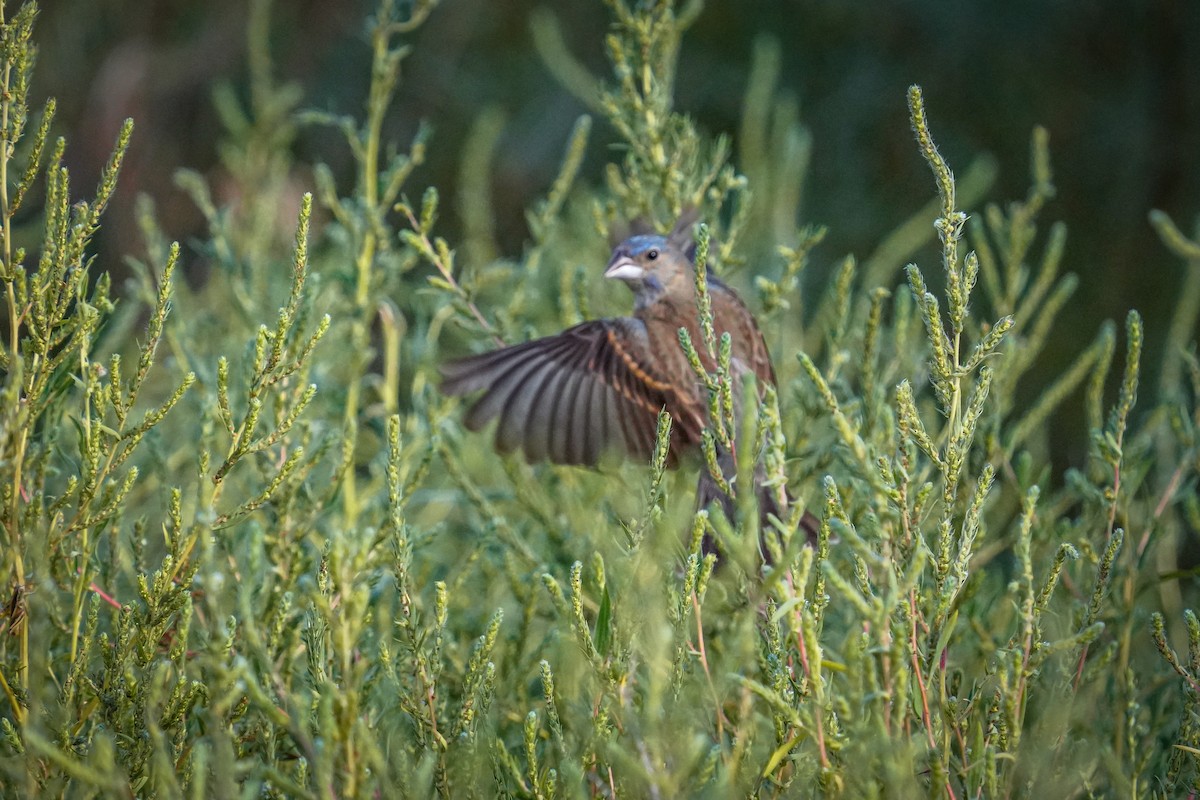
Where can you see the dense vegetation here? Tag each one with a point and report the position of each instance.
(248, 548)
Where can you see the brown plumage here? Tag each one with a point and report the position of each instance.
(600, 385)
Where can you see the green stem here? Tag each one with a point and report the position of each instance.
(14, 332)
(384, 72)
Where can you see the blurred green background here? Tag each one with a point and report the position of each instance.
(1116, 84)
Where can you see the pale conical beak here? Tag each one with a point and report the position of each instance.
(624, 268)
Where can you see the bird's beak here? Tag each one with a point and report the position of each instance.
(624, 268)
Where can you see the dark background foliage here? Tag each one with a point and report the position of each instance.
(1116, 84)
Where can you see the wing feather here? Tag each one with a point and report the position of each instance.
(569, 398)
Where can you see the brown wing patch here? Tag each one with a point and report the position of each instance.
(570, 397)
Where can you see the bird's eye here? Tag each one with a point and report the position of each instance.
(652, 254)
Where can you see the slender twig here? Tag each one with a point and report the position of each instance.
(703, 656)
(448, 276)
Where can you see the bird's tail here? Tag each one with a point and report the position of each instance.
(772, 501)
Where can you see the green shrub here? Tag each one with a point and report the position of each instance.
(252, 551)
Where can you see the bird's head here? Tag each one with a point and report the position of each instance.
(650, 264)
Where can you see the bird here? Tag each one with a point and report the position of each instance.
(600, 385)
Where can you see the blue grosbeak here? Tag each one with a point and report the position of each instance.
(600, 385)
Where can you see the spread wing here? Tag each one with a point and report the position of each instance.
(569, 398)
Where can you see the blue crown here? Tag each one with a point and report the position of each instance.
(636, 245)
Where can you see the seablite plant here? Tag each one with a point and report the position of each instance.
(248, 548)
